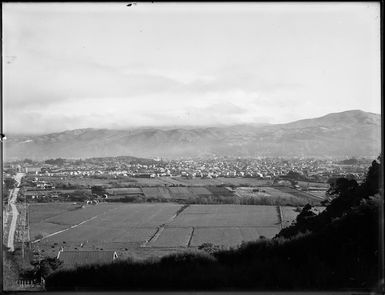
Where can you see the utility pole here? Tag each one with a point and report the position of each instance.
(24, 227)
(22, 243)
(28, 236)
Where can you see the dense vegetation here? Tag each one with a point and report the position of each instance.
(58, 161)
(9, 183)
(335, 250)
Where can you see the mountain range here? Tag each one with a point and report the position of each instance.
(346, 134)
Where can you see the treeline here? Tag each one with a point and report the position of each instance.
(337, 249)
(57, 162)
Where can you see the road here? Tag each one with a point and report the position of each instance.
(15, 213)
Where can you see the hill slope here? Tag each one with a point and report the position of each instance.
(351, 133)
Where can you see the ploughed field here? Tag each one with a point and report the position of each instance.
(146, 228)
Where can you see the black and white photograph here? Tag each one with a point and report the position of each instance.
(192, 147)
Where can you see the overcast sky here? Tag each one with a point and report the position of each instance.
(69, 66)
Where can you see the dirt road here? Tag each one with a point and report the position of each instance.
(14, 213)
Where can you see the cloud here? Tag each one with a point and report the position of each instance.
(82, 66)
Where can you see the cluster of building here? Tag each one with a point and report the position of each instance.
(42, 184)
(264, 168)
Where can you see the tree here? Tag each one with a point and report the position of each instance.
(373, 177)
(341, 186)
(10, 183)
(98, 190)
(305, 214)
(80, 196)
(43, 268)
(346, 194)
(294, 175)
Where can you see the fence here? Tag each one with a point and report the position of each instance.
(27, 284)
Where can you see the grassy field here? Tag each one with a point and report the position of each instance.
(128, 227)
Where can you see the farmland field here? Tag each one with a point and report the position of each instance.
(82, 181)
(156, 192)
(39, 212)
(47, 218)
(180, 193)
(251, 192)
(127, 228)
(289, 214)
(226, 215)
(226, 181)
(271, 196)
(309, 185)
(172, 237)
(127, 181)
(76, 216)
(220, 191)
(128, 191)
(200, 191)
(226, 225)
(231, 236)
(299, 194)
(114, 216)
(319, 193)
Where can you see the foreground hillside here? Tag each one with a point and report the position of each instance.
(337, 249)
(351, 133)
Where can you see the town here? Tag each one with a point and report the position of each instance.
(265, 168)
(79, 180)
